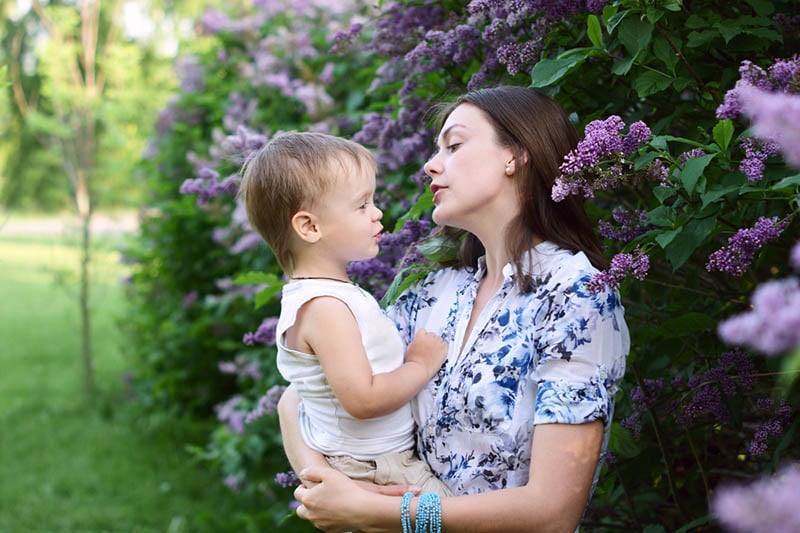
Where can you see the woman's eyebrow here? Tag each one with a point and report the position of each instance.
(446, 133)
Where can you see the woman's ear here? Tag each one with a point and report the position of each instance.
(305, 226)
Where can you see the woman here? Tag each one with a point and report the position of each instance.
(530, 347)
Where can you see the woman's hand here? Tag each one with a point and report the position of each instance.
(334, 501)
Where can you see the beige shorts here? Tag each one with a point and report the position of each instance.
(403, 468)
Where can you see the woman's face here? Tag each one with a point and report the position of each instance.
(471, 188)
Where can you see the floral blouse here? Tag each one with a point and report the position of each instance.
(553, 355)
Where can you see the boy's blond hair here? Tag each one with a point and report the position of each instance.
(291, 173)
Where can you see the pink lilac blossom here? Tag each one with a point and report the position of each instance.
(265, 334)
(735, 258)
(775, 116)
(635, 264)
(599, 160)
(772, 326)
(768, 505)
(266, 404)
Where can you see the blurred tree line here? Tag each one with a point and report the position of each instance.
(82, 83)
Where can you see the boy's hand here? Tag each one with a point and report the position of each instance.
(427, 349)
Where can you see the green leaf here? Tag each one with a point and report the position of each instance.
(549, 71)
(663, 193)
(723, 133)
(664, 52)
(694, 233)
(685, 324)
(790, 368)
(789, 181)
(401, 282)
(653, 528)
(662, 216)
(761, 7)
(729, 29)
(650, 82)
(666, 237)
(635, 35)
(717, 192)
(693, 524)
(256, 278)
(266, 294)
(695, 22)
(272, 282)
(594, 31)
(697, 39)
(608, 11)
(614, 20)
(673, 5)
(423, 203)
(765, 33)
(692, 171)
(621, 67)
(622, 443)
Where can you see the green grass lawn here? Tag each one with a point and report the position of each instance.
(69, 462)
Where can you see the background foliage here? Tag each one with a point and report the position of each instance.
(694, 411)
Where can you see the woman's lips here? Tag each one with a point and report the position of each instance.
(436, 190)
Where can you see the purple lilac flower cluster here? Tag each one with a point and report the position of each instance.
(629, 225)
(599, 161)
(227, 413)
(265, 334)
(708, 392)
(756, 152)
(643, 398)
(266, 404)
(775, 117)
(421, 37)
(377, 273)
(287, 480)
(241, 367)
(735, 258)
(635, 264)
(783, 76)
(771, 99)
(768, 505)
(772, 326)
(779, 413)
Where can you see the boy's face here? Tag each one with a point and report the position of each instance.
(348, 217)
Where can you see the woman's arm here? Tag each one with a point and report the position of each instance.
(563, 462)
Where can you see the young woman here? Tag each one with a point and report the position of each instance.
(517, 418)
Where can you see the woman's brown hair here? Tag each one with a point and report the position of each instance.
(539, 132)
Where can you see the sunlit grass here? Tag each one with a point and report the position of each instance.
(74, 462)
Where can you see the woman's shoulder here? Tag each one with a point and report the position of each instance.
(550, 261)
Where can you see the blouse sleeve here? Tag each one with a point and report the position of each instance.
(580, 353)
(402, 311)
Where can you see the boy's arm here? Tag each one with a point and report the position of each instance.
(328, 326)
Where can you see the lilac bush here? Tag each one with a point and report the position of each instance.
(687, 118)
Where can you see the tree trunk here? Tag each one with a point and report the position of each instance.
(85, 212)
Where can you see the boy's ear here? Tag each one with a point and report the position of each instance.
(305, 226)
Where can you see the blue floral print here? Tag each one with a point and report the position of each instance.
(553, 355)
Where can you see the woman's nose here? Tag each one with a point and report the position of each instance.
(432, 167)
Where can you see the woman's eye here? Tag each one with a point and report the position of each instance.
(453, 147)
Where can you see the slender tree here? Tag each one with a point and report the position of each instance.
(75, 44)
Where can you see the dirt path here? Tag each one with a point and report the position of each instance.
(102, 224)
